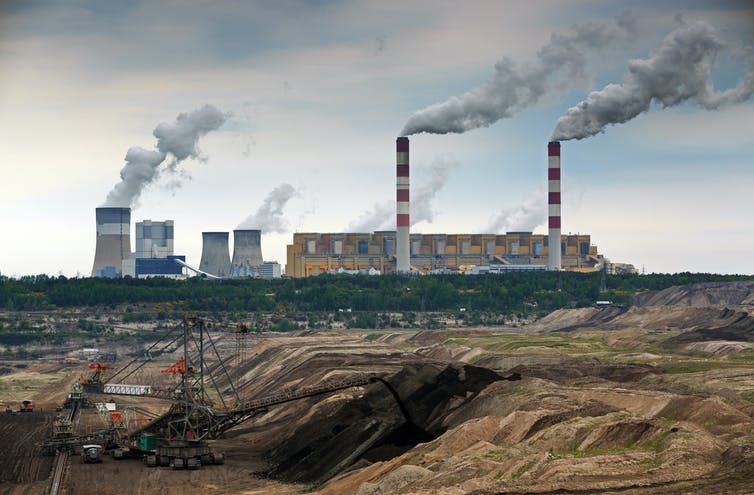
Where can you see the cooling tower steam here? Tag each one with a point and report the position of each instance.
(679, 71)
(180, 138)
(559, 65)
(269, 216)
(177, 139)
(141, 169)
(521, 218)
(382, 216)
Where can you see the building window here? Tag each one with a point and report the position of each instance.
(388, 246)
(363, 246)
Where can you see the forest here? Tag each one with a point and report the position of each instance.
(539, 292)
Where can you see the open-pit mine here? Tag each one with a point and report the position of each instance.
(656, 397)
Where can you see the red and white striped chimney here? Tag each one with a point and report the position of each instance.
(553, 206)
(402, 201)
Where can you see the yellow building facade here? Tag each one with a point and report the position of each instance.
(314, 253)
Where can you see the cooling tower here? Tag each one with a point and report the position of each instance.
(247, 252)
(553, 205)
(402, 201)
(113, 241)
(215, 257)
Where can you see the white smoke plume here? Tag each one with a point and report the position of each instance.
(269, 216)
(178, 139)
(559, 65)
(422, 207)
(382, 216)
(527, 216)
(141, 168)
(679, 71)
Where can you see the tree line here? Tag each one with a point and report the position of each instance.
(511, 292)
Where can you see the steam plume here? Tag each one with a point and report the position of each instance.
(178, 139)
(677, 72)
(522, 218)
(382, 216)
(421, 202)
(513, 88)
(269, 216)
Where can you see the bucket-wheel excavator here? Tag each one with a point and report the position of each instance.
(199, 410)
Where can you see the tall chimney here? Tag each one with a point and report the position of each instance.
(402, 212)
(215, 258)
(113, 241)
(247, 252)
(553, 200)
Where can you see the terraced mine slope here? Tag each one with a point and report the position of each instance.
(655, 398)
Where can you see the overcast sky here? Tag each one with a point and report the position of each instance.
(317, 92)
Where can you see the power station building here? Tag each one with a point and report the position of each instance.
(315, 253)
(113, 244)
(154, 239)
(247, 258)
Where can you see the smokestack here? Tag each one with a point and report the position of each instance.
(402, 211)
(553, 206)
(247, 252)
(113, 241)
(215, 257)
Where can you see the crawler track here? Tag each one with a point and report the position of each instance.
(61, 457)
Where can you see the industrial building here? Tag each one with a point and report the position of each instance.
(154, 247)
(113, 244)
(315, 253)
(154, 252)
(400, 251)
(154, 239)
(247, 253)
(247, 258)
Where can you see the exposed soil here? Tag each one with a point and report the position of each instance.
(656, 398)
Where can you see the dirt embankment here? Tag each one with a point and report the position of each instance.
(534, 436)
(588, 416)
(700, 295)
(23, 469)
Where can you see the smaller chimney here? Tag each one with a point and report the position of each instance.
(553, 205)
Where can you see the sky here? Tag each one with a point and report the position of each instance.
(313, 95)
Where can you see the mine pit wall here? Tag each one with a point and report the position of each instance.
(372, 426)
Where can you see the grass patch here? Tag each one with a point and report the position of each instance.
(522, 469)
(514, 343)
(691, 367)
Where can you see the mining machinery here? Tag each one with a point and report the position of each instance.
(197, 413)
(199, 410)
